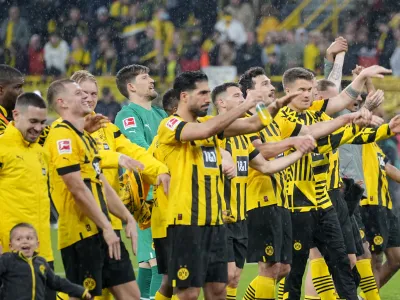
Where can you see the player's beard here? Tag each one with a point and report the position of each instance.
(199, 112)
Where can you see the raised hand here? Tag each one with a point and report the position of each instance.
(375, 72)
(285, 100)
(394, 124)
(374, 99)
(339, 45)
(253, 97)
(304, 144)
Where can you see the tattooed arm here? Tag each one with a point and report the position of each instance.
(336, 74)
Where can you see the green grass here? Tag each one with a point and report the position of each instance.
(391, 291)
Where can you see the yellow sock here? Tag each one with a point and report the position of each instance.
(281, 288)
(251, 290)
(231, 293)
(367, 282)
(105, 295)
(174, 297)
(311, 298)
(322, 280)
(62, 296)
(265, 288)
(160, 296)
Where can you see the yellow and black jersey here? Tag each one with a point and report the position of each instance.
(265, 190)
(195, 195)
(71, 151)
(374, 162)
(43, 135)
(306, 184)
(242, 151)
(3, 119)
(319, 105)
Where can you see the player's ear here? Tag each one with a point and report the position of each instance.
(15, 113)
(131, 87)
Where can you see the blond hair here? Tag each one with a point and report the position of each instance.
(83, 75)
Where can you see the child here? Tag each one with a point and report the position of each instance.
(25, 275)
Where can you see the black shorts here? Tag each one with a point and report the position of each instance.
(270, 235)
(196, 255)
(236, 235)
(161, 247)
(381, 227)
(87, 263)
(337, 198)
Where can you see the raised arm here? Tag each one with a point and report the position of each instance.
(350, 94)
(279, 164)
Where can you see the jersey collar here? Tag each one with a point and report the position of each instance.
(16, 135)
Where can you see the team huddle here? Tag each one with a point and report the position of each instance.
(278, 182)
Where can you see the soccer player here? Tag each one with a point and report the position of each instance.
(307, 195)
(24, 169)
(226, 97)
(26, 274)
(110, 139)
(11, 86)
(139, 122)
(84, 198)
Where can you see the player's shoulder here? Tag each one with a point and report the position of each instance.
(171, 122)
(159, 110)
(127, 118)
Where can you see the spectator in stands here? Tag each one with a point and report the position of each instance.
(191, 54)
(16, 57)
(292, 53)
(242, 12)
(15, 29)
(249, 55)
(271, 54)
(147, 51)
(56, 54)
(171, 66)
(102, 24)
(231, 29)
(120, 9)
(269, 22)
(312, 55)
(36, 56)
(130, 54)
(79, 58)
(104, 58)
(395, 58)
(74, 26)
(107, 106)
(164, 31)
(226, 54)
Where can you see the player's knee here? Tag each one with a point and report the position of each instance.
(353, 260)
(284, 270)
(165, 288)
(314, 253)
(394, 259)
(233, 281)
(188, 294)
(270, 270)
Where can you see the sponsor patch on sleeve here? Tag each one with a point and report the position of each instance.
(173, 123)
(64, 146)
(129, 123)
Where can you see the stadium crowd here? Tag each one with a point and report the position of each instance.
(280, 182)
(43, 37)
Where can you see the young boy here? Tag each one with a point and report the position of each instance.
(25, 275)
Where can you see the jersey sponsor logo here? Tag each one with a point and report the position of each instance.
(297, 246)
(269, 250)
(89, 283)
(172, 123)
(183, 273)
(106, 147)
(242, 166)
(64, 146)
(209, 157)
(129, 123)
(378, 240)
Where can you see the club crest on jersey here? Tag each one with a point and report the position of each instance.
(269, 250)
(129, 123)
(172, 123)
(64, 146)
(183, 273)
(378, 240)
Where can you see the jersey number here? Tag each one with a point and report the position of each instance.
(209, 157)
(242, 165)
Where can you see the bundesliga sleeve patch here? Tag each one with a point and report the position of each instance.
(129, 123)
(64, 146)
(173, 123)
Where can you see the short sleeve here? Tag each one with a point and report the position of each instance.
(170, 130)
(64, 151)
(287, 128)
(319, 105)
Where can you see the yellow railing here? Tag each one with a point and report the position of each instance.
(294, 19)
